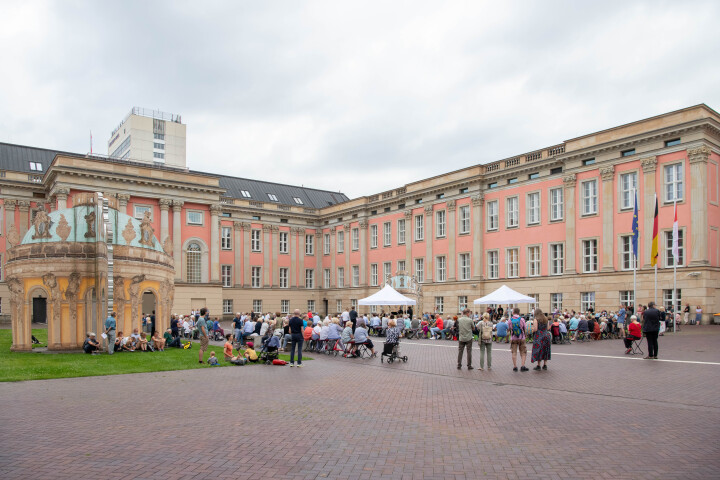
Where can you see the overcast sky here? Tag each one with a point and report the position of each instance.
(359, 96)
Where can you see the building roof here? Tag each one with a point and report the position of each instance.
(17, 158)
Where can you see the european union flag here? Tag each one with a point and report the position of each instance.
(636, 234)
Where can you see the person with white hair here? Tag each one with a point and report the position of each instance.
(91, 344)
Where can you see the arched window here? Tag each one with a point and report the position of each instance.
(194, 263)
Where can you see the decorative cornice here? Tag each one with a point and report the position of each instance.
(607, 173)
(333, 230)
(10, 202)
(478, 200)
(648, 164)
(62, 193)
(699, 155)
(165, 204)
(363, 224)
(123, 199)
(569, 181)
(274, 228)
(451, 205)
(266, 227)
(23, 205)
(215, 209)
(318, 234)
(297, 231)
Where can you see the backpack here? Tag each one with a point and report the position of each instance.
(516, 330)
(486, 331)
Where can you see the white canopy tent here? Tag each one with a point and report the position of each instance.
(504, 296)
(387, 296)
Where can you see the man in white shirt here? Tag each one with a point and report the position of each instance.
(345, 316)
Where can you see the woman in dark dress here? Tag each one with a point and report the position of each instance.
(541, 341)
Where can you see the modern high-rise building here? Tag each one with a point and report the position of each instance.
(149, 136)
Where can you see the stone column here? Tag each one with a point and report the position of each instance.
(318, 258)
(9, 205)
(165, 204)
(429, 235)
(608, 175)
(237, 247)
(698, 186)
(292, 238)
(477, 229)
(333, 250)
(363, 253)
(275, 273)
(409, 267)
(569, 182)
(177, 237)
(266, 255)
(246, 227)
(61, 195)
(451, 206)
(123, 199)
(215, 242)
(348, 248)
(24, 207)
(649, 165)
(301, 273)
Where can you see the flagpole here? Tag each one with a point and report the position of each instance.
(635, 259)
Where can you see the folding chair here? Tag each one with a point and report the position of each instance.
(636, 349)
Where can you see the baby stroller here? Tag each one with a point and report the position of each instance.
(216, 335)
(392, 351)
(270, 349)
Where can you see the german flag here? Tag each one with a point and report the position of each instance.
(654, 249)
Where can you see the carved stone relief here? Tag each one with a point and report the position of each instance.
(90, 220)
(119, 298)
(71, 295)
(50, 281)
(129, 232)
(146, 231)
(17, 295)
(63, 228)
(41, 224)
(135, 296)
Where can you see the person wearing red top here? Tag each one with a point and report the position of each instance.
(634, 333)
(435, 331)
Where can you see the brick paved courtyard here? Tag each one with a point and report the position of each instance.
(594, 414)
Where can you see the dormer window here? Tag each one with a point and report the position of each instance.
(36, 167)
(245, 193)
(298, 200)
(272, 197)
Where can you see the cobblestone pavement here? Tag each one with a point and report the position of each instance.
(594, 414)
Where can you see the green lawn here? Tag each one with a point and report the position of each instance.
(15, 366)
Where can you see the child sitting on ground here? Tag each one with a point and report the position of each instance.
(250, 352)
(212, 361)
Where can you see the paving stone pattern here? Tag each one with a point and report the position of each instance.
(600, 416)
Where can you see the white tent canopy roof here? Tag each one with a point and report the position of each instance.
(504, 296)
(387, 296)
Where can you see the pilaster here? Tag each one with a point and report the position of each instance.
(333, 251)
(24, 208)
(123, 199)
(451, 212)
(9, 204)
(649, 165)
(275, 272)
(364, 267)
(165, 204)
(293, 239)
(237, 249)
(61, 195)
(569, 182)
(347, 248)
(477, 216)
(246, 227)
(698, 186)
(267, 268)
(177, 236)
(408, 241)
(215, 210)
(318, 259)
(608, 175)
(429, 235)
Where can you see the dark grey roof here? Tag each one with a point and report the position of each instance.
(17, 158)
(285, 194)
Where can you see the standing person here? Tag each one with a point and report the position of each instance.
(296, 332)
(517, 340)
(698, 315)
(465, 338)
(651, 329)
(202, 326)
(686, 313)
(353, 317)
(174, 326)
(541, 341)
(485, 334)
(110, 325)
(237, 327)
(622, 313)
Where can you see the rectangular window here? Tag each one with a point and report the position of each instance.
(533, 208)
(533, 176)
(587, 301)
(326, 244)
(36, 167)
(628, 185)
(340, 242)
(464, 266)
(309, 278)
(419, 228)
(401, 265)
(439, 305)
(257, 306)
(512, 180)
(462, 303)
(309, 245)
(626, 254)
(387, 234)
(373, 236)
(283, 242)
(255, 274)
(557, 258)
(158, 155)
(533, 254)
(440, 223)
(464, 219)
(401, 231)
(338, 305)
(227, 306)
(341, 277)
(387, 271)
(670, 300)
(627, 297)
(669, 258)
(272, 197)
(672, 143)
(326, 278)
(512, 260)
(355, 276)
(374, 274)
(226, 238)
(589, 197)
(627, 153)
(284, 307)
(556, 204)
(590, 256)
(159, 136)
(420, 269)
(492, 185)
(556, 302)
(194, 217)
(353, 304)
(673, 182)
(226, 275)
(556, 170)
(140, 210)
(441, 269)
(493, 268)
(311, 305)
(588, 161)
(492, 215)
(255, 244)
(283, 277)
(512, 218)
(355, 237)
(159, 146)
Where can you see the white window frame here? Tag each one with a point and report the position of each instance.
(532, 208)
(298, 201)
(283, 242)
(512, 262)
(373, 235)
(245, 194)
(534, 264)
(419, 228)
(311, 305)
(341, 277)
(257, 306)
(283, 277)
(464, 219)
(188, 221)
(420, 269)
(626, 253)
(255, 240)
(493, 264)
(512, 212)
(441, 268)
(627, 185)
(556, 302)
(338, 305)
(462, 303)
(589, 193)
(464, 266)
(673, 188)
(226, 238)
(226, 275)
(272, 197)
(284, 307)
(401, 231)
(139, 211)
(309, 244)
(627, 297)
(326, 244)
(440, 224)
(387, 234)
(589, 254)
(355, 276)
(493, 219)
(557, 204)
(255, 276)
(440, 304)
(341, 241)
(668, 299)
(557, 262)
(227, 306)
(355, 239)
(401, 265)
(309, 278)
(387, 271)
(667, 238)
(587, 301)
(374, 274)
(326, 278)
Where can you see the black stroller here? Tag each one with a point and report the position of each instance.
(270, 349)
